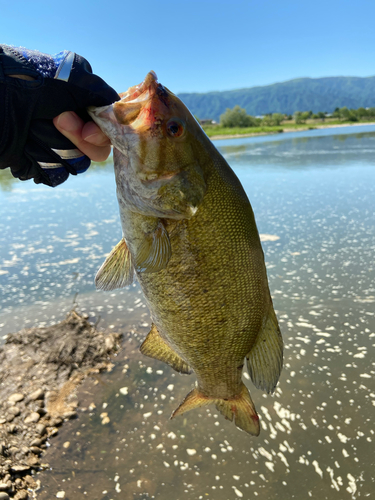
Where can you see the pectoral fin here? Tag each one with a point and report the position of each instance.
(154, 346)
(117, 270)
(265, 360)
(154, 252)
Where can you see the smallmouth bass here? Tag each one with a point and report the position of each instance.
(190, 237)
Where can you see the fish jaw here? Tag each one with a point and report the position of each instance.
(105, 118)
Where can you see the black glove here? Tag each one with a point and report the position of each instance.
(29, 142)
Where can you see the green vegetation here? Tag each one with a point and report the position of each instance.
(354, 115)
(237, 122)
(213, 130)
(237, 117)
(316, 94)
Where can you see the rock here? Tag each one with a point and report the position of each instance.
(56, 422)
(40, 429)
(20, 468)
(52, 356)
(14, 410)
(33, 418)
(36, 450)
(21, 495)
(110, 342)
(70, 414)
(30, 482)
(37, 442)
(53, 431)
(38, 394)
(32, 460)
(16, 398)
(66, 444)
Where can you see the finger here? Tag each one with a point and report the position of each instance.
(71, 126)
(91, 133)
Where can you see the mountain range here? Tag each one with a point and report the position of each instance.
(301, 94)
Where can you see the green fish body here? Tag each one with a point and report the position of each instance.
(191, 239)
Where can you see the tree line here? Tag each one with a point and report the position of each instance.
(237, 117)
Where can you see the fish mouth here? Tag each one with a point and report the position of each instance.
(141, 91)
(140, 110)
(145, 101)
(127, 109)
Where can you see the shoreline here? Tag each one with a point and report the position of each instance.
(286, 130)
(40, 369)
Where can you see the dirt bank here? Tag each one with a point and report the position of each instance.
(286, 130)
(39, 370)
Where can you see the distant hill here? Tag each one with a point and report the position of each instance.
(301, 94)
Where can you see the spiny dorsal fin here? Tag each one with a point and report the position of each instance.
(154, 252)
(117, 270)
(240, 408)
(154, 346)
(265, 360)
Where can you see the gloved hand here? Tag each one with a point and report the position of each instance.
(34, 89)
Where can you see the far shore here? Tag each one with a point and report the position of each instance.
(285, 130)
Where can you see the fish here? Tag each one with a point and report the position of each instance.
(191, 240)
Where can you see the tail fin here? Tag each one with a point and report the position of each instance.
(240, 408)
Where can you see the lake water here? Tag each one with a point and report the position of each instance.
(315, 191)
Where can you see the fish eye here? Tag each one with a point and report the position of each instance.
(175, 127)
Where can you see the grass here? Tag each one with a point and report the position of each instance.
(216, 130)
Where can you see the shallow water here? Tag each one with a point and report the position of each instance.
(315, 191)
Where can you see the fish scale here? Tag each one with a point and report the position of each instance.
(238, 296)
(190, 236)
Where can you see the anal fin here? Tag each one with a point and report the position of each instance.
(154, 346)
(117, 270)
(239, 408)
(265, 360)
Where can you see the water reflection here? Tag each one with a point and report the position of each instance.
(317, 436)
(310, 150)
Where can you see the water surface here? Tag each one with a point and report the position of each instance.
(315, 191)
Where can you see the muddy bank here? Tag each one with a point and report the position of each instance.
(39, 370)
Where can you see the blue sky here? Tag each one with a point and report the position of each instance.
(201, 45)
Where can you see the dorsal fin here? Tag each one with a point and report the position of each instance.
(265, 360)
